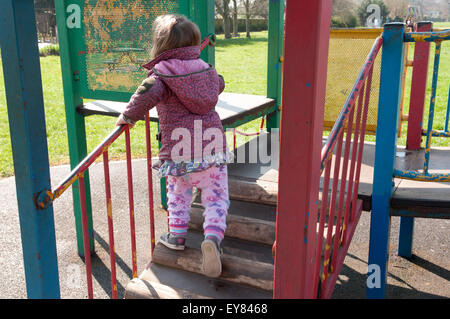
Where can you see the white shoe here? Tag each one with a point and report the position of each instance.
(212, 265)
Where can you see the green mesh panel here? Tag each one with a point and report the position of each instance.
(117, 36)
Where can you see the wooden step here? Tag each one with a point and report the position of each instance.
(242, 208)
(242, 262)
(251, 180)
(245, 220)
(257, 182)
(143, 289)
(161, 282)
(253, 191)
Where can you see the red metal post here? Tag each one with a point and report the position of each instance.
(304, 84)
(361, 141)
(131, 201)
(150, 181)
(342, 185)
(323, 213)
(418, 89)
(112, 256)
(87, 252)
(332, 207)
(349, 197)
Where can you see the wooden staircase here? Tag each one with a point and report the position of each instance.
(247, 261)
(247, 264)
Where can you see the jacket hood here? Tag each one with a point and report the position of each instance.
(193, 81)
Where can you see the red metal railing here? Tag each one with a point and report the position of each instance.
(78, 174)
(340, 207)
(236, 132)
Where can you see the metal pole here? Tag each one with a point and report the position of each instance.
(387, 125)
(301, 124)
(23, 87)
(418, 89)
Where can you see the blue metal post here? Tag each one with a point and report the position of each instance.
(22, 74)
(387, 126)
(405, 237)
(447, 114)
(437, 56)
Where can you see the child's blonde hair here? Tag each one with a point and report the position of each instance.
(171, 31)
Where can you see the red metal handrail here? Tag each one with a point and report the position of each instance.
(236, 131)
(78, 174)
(342, 211)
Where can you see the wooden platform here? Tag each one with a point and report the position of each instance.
(234, 109)
(259, 181)
(421, 199)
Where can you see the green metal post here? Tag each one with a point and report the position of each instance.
(76, 132)
(163, 185)
(203, 16)
(274, 60)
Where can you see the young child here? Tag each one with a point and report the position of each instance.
(185, 91)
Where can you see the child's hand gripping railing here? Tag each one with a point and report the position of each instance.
(77, 174)
(344, 207)
(437, 38)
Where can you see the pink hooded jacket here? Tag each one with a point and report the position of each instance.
(185, 91)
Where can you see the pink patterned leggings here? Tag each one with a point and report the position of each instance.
(213, 183)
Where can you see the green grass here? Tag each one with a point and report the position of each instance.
(242, 62)
(441, 94)
(52, 49)
(97, 127)
(441, 25)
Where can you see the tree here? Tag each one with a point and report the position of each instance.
(45, 19)
(398, 9)
(372, 13)
(247, 17)
(259, 8)
(342, 8)
(44, 4)
(223, 9)
(343, 14)
(235, 19)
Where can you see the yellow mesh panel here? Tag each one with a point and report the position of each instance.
(347, 52)
(117, 36)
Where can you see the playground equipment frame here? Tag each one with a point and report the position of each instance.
(23, 87)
